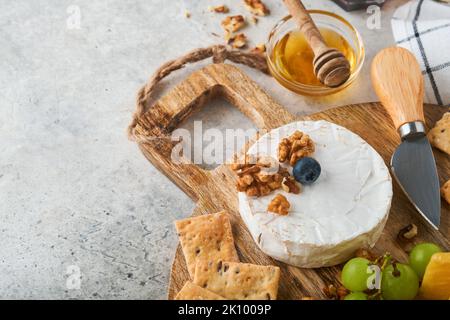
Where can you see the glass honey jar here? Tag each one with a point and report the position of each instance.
(290, 58)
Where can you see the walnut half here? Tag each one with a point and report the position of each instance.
(279, 205)
(255, 179)
(297, 146)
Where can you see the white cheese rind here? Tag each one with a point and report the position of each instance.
(345, 209)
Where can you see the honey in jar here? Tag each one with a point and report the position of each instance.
(293, 56)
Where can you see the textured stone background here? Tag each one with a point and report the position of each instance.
(73, 190)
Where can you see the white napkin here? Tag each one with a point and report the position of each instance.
(423, 27)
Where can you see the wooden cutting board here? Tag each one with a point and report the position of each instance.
(215, 190)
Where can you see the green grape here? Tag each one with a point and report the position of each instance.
(400, 283)
(420, 257)
(355, 273)
(356, 296)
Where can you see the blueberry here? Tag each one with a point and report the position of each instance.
(306, 170)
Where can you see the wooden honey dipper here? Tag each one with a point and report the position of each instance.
(331, 67)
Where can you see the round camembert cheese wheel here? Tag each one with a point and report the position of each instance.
(344, 210)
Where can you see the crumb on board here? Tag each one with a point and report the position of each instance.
(253, 20)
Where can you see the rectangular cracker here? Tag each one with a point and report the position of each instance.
(207, 237)
(192, 291)
(439, 136)
(240, 281)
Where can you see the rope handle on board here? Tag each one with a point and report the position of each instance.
(219, 53)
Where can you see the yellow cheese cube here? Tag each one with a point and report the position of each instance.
(436, 280)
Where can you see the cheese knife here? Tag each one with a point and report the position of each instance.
(398, 82)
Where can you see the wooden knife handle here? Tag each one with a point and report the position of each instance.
(307, 26)
(398, 82)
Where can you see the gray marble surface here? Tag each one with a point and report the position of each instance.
(78, 198)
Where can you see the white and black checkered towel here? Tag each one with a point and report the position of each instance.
(423, 27)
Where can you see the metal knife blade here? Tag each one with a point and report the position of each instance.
(414, 168)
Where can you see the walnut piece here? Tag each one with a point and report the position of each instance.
(335, 293)
(233, 23)
(290, 185)
(407, 233)
(238, 41)
(259, 49)
(255, 178)
(219, 9)
(330, 291)
(342, 292)
(445, 191)
(365, 253)
(257, 7)
(246, 162)
(279, 205)
(297, 146)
